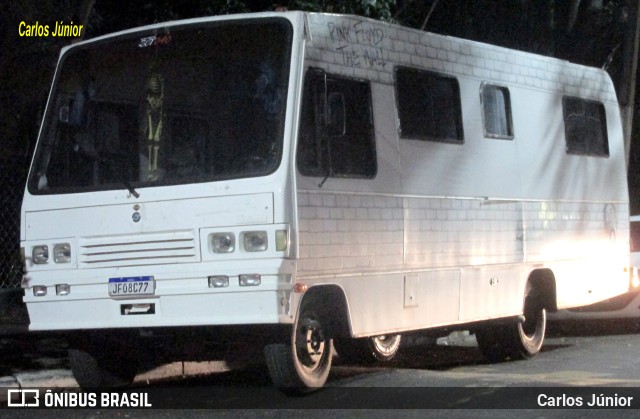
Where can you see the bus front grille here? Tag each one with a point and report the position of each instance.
(139, 249)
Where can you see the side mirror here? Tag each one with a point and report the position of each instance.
(336, 115)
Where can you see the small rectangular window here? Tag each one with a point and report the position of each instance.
(496, 112)
(585, 127)
(428, 106)
(336, 132)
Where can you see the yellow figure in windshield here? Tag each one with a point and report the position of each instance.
(153, 131)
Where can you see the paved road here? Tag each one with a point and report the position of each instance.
(453, 375)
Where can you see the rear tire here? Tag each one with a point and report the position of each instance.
(521, 339)
(368, 350)
(384, 347)
(532, 330)
(303, 364)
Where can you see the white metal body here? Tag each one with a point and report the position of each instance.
(620, 307)
(442, 235)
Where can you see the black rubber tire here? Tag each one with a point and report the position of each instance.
(520, 339)
(93, 369)
(368, 350)
(531, 331)
(303, 364)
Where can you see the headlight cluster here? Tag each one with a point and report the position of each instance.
(61, 253)
(61, 289)
(251, 241)
(244, 280)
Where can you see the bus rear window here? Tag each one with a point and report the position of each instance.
(585, 126)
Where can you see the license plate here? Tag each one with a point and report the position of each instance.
(131, 285)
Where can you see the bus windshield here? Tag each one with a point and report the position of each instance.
(176, 105)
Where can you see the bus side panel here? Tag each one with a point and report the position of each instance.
(393, 302)
(401, 256)
(587, 240)
(490, 210)
(343, 233)
(491, 292)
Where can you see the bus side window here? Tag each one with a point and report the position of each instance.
(429, 106)
(585, 127)
(496, 112)
(336, 133)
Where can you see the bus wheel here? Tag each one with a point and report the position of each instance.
(531, 330)
(385, 347)
(518, 340)
(303, 364)
(367, 350)
(95, 368)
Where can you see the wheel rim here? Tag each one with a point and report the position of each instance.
(533, 328)
(310, 343)
(386, 344)
(533, 324)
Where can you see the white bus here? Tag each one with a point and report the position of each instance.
(300, 182)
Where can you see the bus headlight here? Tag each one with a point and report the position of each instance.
(62, 253)
(223, 242)
(63, 289)
(254, 241)
(249, 280)
(40, 254)
(218, 281)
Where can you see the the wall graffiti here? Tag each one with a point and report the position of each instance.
(359, 44)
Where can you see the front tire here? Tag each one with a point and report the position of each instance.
(96, 368)
(304, 363)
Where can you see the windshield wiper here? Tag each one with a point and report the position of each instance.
(130, 188)
(119, 174)
(121, 177)
(326, 176)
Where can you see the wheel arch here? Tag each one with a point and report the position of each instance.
(543, 281)
(331, 301)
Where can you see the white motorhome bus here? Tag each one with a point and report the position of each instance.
(303, 180)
